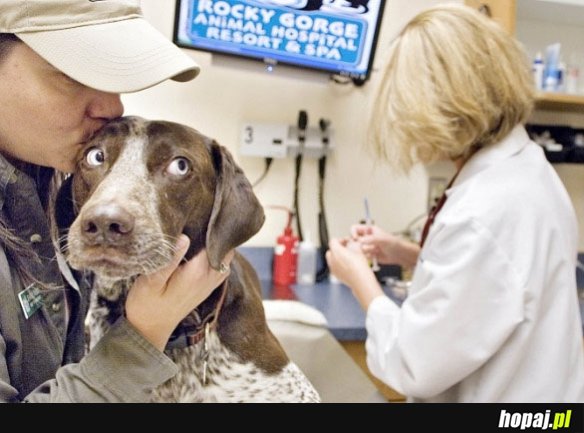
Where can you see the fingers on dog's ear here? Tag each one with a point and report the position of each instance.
(229, 257)
(182, 245)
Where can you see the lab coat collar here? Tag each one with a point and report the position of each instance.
(512, 144)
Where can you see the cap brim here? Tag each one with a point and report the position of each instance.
(119, 57)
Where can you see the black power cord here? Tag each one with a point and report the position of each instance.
(323, 272)
(268, 160)
(302, 122)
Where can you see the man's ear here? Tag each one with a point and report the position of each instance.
(237, 214)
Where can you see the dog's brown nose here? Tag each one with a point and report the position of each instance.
(106, 224)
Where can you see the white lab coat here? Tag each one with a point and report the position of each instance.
(492, 313)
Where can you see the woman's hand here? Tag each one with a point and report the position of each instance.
(349, 264)
(158, 302)
(387, 248)
(346, 261)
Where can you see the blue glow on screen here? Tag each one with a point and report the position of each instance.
(336, 36)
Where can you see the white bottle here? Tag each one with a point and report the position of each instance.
(572, 76)
(306, 268)
(538, 71)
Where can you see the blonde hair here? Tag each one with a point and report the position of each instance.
(455, 81)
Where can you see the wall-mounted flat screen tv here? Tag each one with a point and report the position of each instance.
(333, 36)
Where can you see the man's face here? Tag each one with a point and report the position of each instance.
(45, 116)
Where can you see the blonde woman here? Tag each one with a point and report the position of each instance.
(494, 284)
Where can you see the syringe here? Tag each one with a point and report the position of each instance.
(369, 222)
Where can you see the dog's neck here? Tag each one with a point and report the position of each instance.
(196, 326)
(113, 294)
(112, 290)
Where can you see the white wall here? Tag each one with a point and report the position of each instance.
(227, 93)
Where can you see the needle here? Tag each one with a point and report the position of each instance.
(368, 221)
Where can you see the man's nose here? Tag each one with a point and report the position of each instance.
(106, 106)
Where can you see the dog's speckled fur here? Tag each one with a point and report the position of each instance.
(146, 205)
(228, 379)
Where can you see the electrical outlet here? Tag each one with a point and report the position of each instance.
(436, 187)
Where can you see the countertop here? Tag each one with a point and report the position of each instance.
(346, 319)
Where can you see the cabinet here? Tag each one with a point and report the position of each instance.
(502, 11)
(356, 350)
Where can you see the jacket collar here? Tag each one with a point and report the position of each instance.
(512, 144)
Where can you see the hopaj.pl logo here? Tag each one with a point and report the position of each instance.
(530, 420)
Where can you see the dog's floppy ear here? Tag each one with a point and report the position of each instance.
(237, 214)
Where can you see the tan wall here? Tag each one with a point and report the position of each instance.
(228, 93)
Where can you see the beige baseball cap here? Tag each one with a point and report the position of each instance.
(104, 44)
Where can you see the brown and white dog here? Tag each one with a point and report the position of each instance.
(139, 184)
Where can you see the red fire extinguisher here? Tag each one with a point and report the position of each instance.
(285, 256)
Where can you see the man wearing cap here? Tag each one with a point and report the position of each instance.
(63, 64)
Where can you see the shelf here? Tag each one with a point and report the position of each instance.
(559, 102)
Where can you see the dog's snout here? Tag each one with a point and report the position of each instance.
(109, 224)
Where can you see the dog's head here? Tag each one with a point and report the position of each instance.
(139, 184)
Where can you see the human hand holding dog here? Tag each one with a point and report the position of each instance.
(158, 302)
(349, 264)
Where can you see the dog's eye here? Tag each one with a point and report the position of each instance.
(95, 156)
(179, 166)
